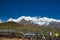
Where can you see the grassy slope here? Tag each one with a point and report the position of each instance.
(16, 26)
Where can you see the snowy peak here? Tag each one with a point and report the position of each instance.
(35, 20)
(11, 19)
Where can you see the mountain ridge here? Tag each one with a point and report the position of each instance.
(35, 21)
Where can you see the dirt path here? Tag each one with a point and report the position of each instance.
(10, 39)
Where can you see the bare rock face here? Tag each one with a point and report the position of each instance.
(27, 23)
(55, 25)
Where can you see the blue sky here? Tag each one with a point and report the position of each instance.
(17, 8)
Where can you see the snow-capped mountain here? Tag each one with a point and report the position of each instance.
(35, 20)
(11, 19)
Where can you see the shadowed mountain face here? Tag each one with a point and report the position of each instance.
(55, 25)
(28, 23)
(9, 25)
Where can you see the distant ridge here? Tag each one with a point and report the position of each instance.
(40, 21)
(35, 21)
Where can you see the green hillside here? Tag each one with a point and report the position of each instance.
(16, 26)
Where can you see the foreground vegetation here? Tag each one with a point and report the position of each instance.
(18, 29)
(16, 26)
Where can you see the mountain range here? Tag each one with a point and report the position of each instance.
(36, 21)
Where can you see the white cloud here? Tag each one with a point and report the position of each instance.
(1, 21)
